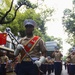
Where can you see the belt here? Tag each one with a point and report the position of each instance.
(26, 59)
(33, 58)
(72, 63)
(57, 61)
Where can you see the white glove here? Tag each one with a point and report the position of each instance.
(18, 49)
(40, 61)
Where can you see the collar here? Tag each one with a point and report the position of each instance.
(26, 38)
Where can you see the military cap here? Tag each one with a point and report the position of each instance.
(56, 47)
(29, 22)
(73, 49)
(48, 57)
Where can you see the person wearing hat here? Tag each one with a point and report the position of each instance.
(71, 61)
(49, 62)
(57, 61)
(32, 50)
(67, 61)
(4, 63)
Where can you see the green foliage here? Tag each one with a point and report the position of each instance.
(17, 25)
(64, 58)
(69, 23)
(27, 3)
(37, 32)
(7, 2)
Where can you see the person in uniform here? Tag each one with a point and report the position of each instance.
(67, 62)
(52, 65)
(0, 65)
(71, 60)
(30, 48)
(44, 67)
(57, 61)
(4, 63)
(49, 64)
(16, 64)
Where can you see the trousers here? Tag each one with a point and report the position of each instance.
(27, 68)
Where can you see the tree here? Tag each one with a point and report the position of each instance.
(6, 16)
(16, 25)
(46, 15)
(68, 21)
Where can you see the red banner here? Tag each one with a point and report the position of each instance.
(3, 37)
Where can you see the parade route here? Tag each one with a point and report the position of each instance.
(64, 72)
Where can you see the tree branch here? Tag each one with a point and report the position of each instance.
(2, 19)
(13, 16)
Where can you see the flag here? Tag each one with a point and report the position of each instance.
(3, 37)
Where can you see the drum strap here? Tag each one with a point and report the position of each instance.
(29, 45)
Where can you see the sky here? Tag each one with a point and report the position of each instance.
(55, 27)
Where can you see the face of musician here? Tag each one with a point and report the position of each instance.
(29, 25)
(57, 51)
(29, 29)
(73, 53)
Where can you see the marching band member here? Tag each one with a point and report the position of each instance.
(16, 64)
(67, 63)
(0, 65)
(49, 64)
(46, 66)
(71, 60)
(52, 65)
(57, 61)
(4, 63)
(43, 67)
(30, 47)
